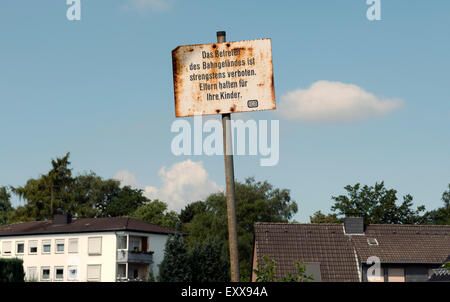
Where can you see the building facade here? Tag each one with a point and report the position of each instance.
(98, 249)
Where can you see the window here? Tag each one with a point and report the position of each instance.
(45, 273)
(95, 245)
(72, 273)
(122, 242)
(396, 275)
(59, 273)
(372, 241)
(32, 274)
(59, 246)
(6, 248)
(73, 245)
(32, 245)
(121, 271)
(46, 246)
(20, 247)
(94, 272)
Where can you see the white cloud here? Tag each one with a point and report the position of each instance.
(127, 178)
(182, 183)
(334, 102)
(146, 5)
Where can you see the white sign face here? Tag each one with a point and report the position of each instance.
(223, 78)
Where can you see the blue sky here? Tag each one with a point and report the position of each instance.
(101, 88)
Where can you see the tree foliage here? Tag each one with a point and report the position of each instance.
(156, 212)
(440, 215)
(204, 262)
(319, 217)
(11, 270)
(175, 266)
(255, 202)
(266, 272)
(377, 205)
(5, 205)
(84, 196)
(208, 263)
(192, 209)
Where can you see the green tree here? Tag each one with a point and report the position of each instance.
(299, 276)
(255, 202)
(446, 265)
(49, 194)
(96, 197)
(441, 215)
(208, 263)
(266, 272)
(175, 266)
(156, 212)
(5, 205)
(83, 196)
(123, 203)
(377, 204)
(192, 209)
(319, 217)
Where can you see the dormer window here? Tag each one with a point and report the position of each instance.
(372, 241)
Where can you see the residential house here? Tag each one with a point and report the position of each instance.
(352, 251)
(94, 249)
(441, 274)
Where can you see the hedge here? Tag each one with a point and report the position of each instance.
(11, 270)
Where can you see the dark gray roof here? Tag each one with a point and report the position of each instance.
(323, 243)
(340, 254)
(440, 275)
(421, 244)
(82, 226)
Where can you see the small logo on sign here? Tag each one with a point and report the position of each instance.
(252, 103)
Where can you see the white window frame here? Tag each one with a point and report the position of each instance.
(5, 243)
(89, 246)
(46, 242)
(60, 241)
(56, 278)
(36, 273)
(30, 245)
(17, 247)
(94, 279)
(69, 278)
(49, 273)
(72, 240)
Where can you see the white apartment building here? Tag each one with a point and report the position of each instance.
(92, 249)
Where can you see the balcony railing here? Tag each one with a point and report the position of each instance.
(135, 257)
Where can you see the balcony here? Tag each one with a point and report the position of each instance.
(124, 256)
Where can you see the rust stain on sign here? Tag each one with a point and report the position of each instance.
(223, 78)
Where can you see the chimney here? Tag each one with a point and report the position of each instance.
(62, 219)
(354, 225)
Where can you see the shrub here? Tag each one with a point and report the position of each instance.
(11, 270)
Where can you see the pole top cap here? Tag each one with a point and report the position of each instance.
(221, 33)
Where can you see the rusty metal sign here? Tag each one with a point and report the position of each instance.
(224, 77)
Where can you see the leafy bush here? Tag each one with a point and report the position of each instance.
(265, 272)
(11, 270)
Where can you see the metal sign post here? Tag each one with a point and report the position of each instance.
(224, 78)
(229, 177)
